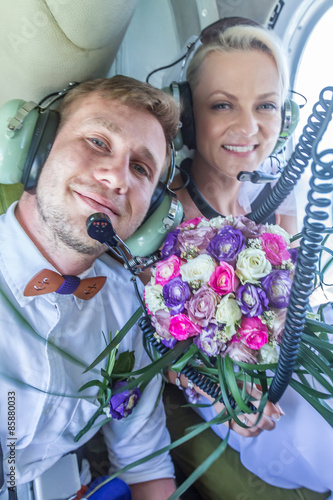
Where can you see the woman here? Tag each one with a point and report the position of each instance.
(237, 103)
(239, 83)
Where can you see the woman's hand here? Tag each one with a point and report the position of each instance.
(272, 412)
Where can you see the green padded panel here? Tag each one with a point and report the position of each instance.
(8, 194)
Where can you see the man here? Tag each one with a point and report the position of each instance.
(109, 152)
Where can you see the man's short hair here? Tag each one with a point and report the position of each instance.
(132, 93)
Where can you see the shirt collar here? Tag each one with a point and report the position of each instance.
(19, 257)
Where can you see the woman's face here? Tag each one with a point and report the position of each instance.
(237, 110)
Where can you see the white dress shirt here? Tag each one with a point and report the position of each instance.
(48, 413)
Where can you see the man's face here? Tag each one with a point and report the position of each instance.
(106, 158)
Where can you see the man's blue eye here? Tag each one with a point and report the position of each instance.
(140, 169)
(98, 143)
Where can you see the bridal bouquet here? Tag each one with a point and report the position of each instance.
(224, 283)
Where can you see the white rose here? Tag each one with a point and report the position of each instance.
(216, 222)
(252, 265)
(228, 312)
(198, 269)
(274, 229)
(154, 298)
(268, 354)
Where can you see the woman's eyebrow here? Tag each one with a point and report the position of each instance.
(226, 94)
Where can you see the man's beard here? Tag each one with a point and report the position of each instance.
(64, 230)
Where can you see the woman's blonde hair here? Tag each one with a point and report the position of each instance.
(242, 38)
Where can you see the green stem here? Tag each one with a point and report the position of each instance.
(89, 424)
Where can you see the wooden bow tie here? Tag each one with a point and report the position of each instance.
(47, 281)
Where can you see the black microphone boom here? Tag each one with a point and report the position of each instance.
(99, 227)
(257, 177)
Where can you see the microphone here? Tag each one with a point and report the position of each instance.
(99, 227)
(257, 177)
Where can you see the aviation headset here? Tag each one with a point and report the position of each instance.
(182, 92)
(27, 133)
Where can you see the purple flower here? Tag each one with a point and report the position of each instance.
(170, 245)
(277, 286)
(198, 237)
(293, 252)
(170, 343)
(251, 299)
(122, 404)
(192, 396)
(227, 244)
(176, 292)
(201, 307)
(206, 343)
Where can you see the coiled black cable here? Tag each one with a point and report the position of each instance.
(299, 160)
(312, 235)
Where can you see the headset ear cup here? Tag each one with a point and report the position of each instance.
(160, 220)
(186, 135)
(15, 139)
(40, 147)
(186, 115)
(290, 119)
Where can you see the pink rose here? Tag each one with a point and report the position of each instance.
(222, 280)
(201, 307)
(181, 327)
(192, 222)
(253, 332)
(167, 269)
(275, 248)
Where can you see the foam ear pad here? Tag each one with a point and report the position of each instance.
(40, 147)
(156, 199)
(182, 93)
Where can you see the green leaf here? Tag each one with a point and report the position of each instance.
(231, 382)
(325, 412)
(318, 326)
(182, 362)
(89, 424)
(25, 386)
(107, 378)
(201, 469)
(118, 338)
(91, 383)
(124, 363)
